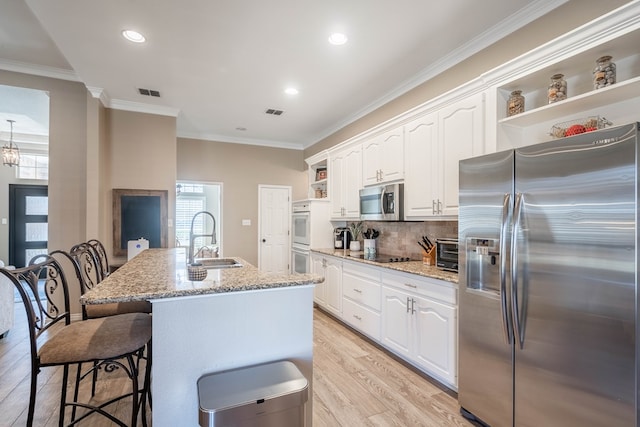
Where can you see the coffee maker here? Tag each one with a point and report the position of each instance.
(342, 238)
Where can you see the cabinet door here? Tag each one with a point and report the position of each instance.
(317, 267)
(333, 286)
(422, 169)
(336, 180)
(371, 153)
(436, 338)
(383, 158)
(392, 155)
(352, 176)
(461, 128)
(396, 321)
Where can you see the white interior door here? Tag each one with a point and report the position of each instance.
(273, 229)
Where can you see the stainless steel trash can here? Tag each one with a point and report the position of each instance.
(269, 395)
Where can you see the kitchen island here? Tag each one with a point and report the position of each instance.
(235, 317)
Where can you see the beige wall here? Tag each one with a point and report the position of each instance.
(67, 157)
(142, 156)
(562, 20)
(240, 169)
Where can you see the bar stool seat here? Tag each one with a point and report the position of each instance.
(97, 339)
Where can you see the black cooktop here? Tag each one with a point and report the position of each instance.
(385, 258)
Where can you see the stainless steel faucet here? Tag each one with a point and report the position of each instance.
(193, 237)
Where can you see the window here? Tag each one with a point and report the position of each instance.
(33, 166)
(186, 208)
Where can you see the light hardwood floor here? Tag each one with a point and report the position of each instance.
(355, 384)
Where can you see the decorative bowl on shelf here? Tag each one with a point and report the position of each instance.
(578, 126)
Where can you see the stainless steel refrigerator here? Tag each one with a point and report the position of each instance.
(548, 283)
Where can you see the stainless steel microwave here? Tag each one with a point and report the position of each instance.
(383, 203)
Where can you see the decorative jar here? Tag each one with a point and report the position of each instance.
(515, 104)
(605, 73)
(557, 88)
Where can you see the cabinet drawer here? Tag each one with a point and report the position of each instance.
(363, 319)
(438, 290)
(361, 290)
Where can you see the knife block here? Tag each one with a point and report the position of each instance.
(429, 258)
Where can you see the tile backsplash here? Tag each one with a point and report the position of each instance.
(401, 238)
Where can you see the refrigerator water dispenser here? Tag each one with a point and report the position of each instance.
(483, 265)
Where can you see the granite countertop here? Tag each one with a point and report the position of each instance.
(413, 267)
(162, 273)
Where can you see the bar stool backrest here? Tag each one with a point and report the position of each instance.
(101, 255)
(42, 278)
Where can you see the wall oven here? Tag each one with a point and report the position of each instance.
(301, 224)
(300, 259)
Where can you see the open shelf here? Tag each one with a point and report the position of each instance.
(618, 92)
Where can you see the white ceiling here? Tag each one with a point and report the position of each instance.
(219, 64)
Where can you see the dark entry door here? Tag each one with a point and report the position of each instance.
(28, 216)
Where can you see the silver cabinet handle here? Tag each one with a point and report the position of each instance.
(410, 285)
(408, 304)
(433, 207)
(357, 290)
(413, 311)
(357, 317)
(439, 207)
(506, 324)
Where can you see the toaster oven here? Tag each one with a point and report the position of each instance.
(447, 254)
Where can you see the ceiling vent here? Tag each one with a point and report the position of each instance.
(273, 112)
(149, 92)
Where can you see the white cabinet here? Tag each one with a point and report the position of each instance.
(573, 54)
(345, 177)
(318, 268)
(419, 323)
(328, 294)
(422, 167)
(383, 158)
(361, 298)
(435, 143)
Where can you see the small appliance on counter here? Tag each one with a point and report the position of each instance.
(447, 254)
(342, 238)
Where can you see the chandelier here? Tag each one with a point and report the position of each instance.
(10, 152)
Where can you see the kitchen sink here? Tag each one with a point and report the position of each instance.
(218, 262)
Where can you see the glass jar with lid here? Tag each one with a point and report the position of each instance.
(605, 72)
(557, 88)
(515, 103)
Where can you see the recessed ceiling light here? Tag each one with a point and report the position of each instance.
(291, 91)
(337, 39)
(133, 36)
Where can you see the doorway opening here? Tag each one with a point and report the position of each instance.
(29, 111)
(193, 197)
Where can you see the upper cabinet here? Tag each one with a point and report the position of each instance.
(345, 178)
(318, 176)
(383, 158)
(616, 34)
(435, 144)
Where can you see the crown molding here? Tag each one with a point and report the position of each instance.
(246, 141)
(101, 94)
(139, 107)
(530, 13)
(38, 70)
(611, 25)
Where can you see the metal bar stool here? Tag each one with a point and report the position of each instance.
(56, 341)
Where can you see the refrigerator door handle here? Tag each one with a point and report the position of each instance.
(515, 312)
(506, 324)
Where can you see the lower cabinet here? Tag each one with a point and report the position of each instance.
(361, 298)
(419, 323)
(412, 316)
(328, 294)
